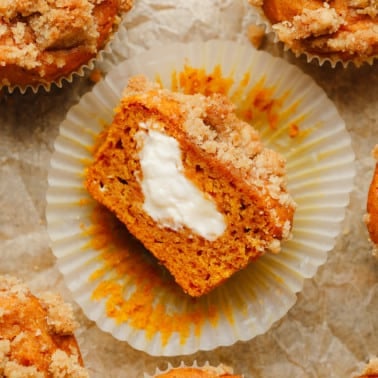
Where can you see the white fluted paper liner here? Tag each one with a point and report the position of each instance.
(261, 20)
(320, 164)
(220, 369)
(118, 50)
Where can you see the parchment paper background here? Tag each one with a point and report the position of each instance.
(332, 329)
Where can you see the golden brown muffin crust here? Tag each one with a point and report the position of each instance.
(36, 334)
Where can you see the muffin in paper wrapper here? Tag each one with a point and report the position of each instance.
(103, 56)
(259, 17)
(118, 284)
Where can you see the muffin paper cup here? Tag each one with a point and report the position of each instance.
(261, 20)
(220, 369)
(294, 117)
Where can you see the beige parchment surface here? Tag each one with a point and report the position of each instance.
(331, 331)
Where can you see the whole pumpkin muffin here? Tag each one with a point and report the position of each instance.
(44, 41)
(36, 334)
(335, 30)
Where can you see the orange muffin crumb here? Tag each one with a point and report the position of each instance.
(95, 76)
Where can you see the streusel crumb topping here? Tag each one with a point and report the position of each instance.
(64, 366)
(312, 22)
(11, 286)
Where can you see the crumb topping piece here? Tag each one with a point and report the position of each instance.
(125, 5)
(10, 286)
(14, 370)
(311, 23)
(64, 366)
(256, 35)
(368, 7)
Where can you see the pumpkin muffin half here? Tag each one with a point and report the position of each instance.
(193, 182)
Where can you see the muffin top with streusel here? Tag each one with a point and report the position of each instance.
(341, 30)
(44, 40)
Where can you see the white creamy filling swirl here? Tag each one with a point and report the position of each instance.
(170, 198)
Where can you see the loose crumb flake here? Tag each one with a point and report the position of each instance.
(368, 7)
(256, 35)
(10, 286)
(60, 316)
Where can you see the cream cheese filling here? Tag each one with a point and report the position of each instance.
(170, 198)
